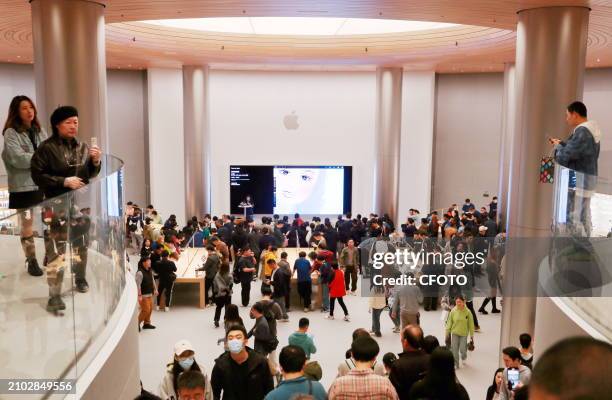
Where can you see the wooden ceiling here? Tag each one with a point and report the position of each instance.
(484, 41)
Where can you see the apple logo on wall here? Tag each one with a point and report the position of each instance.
(291, 121)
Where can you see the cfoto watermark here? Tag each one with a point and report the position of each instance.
(422, 280)
(413, 259)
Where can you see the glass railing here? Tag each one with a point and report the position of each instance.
(579, 266)
(52, 325)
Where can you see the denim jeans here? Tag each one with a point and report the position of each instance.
(376, 319)
(458, 345)
(325, 296)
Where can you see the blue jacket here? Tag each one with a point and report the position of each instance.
(581, 150)
(286, 389)
(17, 154)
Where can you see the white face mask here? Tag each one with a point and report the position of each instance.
(235, 345)
(186, 363)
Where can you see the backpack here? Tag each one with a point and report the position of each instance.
(236, 273)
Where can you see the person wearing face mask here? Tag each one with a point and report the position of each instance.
(240, 373)
(183, 360)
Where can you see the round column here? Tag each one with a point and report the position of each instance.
(197, 153)
(70, 63)
(505, 156)
(388, 133)
(550, 62)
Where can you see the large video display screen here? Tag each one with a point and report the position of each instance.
(290, 189)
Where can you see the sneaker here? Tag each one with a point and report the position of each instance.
(495, 311)
(378, 334)
(284, 320)
(148, 326)
(477, 329)
(329, 317)
(33, 268)
(396, 329)
(484, 312)
(306, 309)
(157, 308)
(167, 309)
(346, 318)
(82, 286)
(216, 324)
(371, 333)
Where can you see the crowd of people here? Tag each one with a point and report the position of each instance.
(337, 255)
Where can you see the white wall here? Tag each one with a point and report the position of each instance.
(336, 116)
(126, 117)
(418, 107)
(467, 137)
(166, 151)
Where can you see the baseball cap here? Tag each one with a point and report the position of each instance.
(181, 346)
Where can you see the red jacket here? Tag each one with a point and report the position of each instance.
(336, 286)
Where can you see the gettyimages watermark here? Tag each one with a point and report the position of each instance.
(520, 267)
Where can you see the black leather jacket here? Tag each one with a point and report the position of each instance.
(57, 159)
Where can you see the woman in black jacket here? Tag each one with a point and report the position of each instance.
(493, 392)
(440, 383)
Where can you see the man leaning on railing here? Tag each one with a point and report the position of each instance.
(579, 152)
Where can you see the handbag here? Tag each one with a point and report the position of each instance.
(471, 346)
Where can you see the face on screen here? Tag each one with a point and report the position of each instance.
(295, 185)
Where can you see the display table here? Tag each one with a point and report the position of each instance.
(190, 260)
(317, 293)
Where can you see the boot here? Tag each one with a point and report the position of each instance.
(482, 307)
(33, 268)
(55, 304)
(495, 310)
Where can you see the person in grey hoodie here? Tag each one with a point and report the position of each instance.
(580, 153)
(22, 136)
(512, 360)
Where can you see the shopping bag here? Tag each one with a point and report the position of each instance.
(547, 170)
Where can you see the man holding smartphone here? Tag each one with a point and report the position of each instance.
(60, 164)
(515, 374)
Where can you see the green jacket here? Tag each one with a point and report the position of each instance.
(17, 154)
(460, 322)
(304, 341)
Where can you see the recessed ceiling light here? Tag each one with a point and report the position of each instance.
(598, 60)
(18, 56)
(322, 26)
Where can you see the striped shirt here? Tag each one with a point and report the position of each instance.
(361, 384)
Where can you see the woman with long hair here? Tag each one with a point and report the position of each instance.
(22, 136)
(494, 391)
(440, 383)
(222, 290)
(182, 360)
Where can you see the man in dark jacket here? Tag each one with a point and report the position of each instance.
(280, 282)
(245, 268)
(61, 164)
(579, 153)
(261, 330)
(412, 364)
(240, 373)
(210, 268)
(166, 270)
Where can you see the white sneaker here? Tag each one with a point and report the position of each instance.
(346, 318)
(306, 309)
(157, 308)
(329, 317)
(167, 309)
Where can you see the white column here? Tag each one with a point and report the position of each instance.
(416, 150)
(70, 63)
(166, 151)
(388, 130)
(197, 143)
(505, 149)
